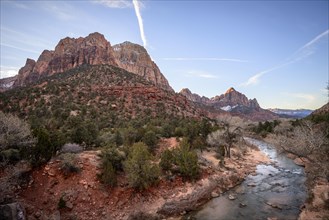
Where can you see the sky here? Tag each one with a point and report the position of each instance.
(274, 51)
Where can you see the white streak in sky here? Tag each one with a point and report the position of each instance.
(20, 48)
(300, 54)
(314, 41)
(305, 96)
(136, 4)
(204, 59)
(202, 74)
(114, 3)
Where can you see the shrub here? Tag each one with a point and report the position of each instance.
(199, 143)
(140, 170)
(14, 132)
(186, 161)
(111, 163)
(108, 175)
(150, 139)
(71, 148)
(167, 160)
(9, 156)
(69, 163)
(43, 150)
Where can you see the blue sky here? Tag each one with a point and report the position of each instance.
(275, 51)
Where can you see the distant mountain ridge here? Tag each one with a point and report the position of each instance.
(291, 113)
(234, 102)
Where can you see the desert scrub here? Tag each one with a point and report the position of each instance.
(111, 163)
(69, 164)
(139, 167)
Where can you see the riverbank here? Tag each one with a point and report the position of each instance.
(86, 198)
(316, 206)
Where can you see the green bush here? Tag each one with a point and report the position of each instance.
(111, 163)
(108, 175)
(43, 150)
(187, 161)
(139, 168)
(10, 156)
(167, 160)
(150, 139)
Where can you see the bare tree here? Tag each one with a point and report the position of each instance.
(14, 132)
(307, 141)
(230, 133)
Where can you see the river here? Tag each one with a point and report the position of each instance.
(276, 191)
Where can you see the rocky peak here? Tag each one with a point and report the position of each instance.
(69, 53)
(193, 96)
(93, 49)
(232, 101)
(231, 89)
(134, 58)
(231, 97)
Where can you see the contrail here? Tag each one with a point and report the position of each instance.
(140, 21)
(303, 52)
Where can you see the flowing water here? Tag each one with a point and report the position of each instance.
(276, 191)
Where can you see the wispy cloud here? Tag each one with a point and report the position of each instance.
(61, 10)
(201, 74)
(137, 6)
(204, 59)
(255, 79)
(114, 3)
(305, 96)
(20, 48)
(19, 4)
(11, 36)
(300, 54)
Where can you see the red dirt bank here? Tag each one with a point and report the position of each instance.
(87, 198)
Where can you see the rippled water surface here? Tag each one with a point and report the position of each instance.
(276, 191)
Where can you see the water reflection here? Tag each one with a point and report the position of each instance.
(276, 191)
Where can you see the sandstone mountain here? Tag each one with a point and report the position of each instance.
(109, 92)
(93, 50)
(233, 102)
(69, 53)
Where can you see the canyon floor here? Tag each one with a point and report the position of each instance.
(86, 198)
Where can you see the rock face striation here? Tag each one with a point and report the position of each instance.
(134, 58)
(93, 50)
